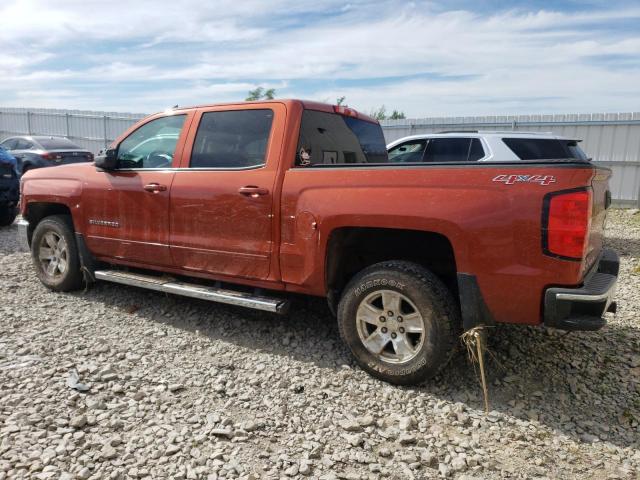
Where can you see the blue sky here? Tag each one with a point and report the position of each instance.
(425, 58)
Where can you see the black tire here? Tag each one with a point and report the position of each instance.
(418, 290)
(58, 227)
(7, 215)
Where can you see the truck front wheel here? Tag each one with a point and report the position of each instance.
(55, 254)
(399, 321)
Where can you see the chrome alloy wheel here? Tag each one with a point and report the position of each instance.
(390, 326)
(53, 255)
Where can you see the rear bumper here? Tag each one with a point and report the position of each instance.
(583, 308)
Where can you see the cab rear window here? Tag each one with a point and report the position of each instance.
(332, 139)
(545, 149)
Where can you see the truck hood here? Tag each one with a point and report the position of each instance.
(70, 171)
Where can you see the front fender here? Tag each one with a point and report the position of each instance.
(53, 191)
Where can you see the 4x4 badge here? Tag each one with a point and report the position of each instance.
(511, 179)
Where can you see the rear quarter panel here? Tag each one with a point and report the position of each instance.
(494, 227)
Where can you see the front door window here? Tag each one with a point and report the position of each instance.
(152, 145)
(408, 152)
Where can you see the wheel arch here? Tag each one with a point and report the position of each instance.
(352, 249)
(35, 212)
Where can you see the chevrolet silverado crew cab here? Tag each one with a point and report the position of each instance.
(249, 203)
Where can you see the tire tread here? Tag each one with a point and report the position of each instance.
(74, 279)
(439, 294)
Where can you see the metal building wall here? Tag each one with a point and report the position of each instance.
(610, 139)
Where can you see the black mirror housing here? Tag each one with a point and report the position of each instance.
(108, 160)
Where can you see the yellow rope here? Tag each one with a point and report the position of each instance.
(473, 340)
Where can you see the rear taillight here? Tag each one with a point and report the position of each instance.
(566, 224)
(51, 156)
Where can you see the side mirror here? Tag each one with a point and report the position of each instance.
(107, 160)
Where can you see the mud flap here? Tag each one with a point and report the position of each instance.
(87, 262)
(473, 309)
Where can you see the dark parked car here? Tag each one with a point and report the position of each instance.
(40, 151)
(9, 188)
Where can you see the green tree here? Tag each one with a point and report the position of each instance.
(379, 113)
(260, 93)
(397, 115)
(340, 100)
(255, 94)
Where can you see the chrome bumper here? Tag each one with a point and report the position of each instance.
(583, 308)
(23, 235)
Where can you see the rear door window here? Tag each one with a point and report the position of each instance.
(23, 144)
(328, 138)
(445, 150)
(232, 139)
(545, 148)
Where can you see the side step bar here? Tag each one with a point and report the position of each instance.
(170, 285)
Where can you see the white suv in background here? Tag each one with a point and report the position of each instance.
(480, 146)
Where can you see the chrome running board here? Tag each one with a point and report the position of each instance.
(170, 285)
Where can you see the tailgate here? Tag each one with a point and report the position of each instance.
(601, 202)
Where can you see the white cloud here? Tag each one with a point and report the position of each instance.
(448, 62)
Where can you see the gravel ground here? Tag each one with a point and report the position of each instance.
(186, 389)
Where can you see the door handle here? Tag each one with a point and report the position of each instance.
(253, 191)
(155, 187)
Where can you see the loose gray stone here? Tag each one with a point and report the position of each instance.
(78, 421)
(108, 452)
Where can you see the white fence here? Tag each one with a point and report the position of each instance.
(610, 139)
(90, 130)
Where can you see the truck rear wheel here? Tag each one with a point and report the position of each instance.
(7, 215)
(399, 321)
(55, 254)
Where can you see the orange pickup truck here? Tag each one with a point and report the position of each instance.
(247, 203)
